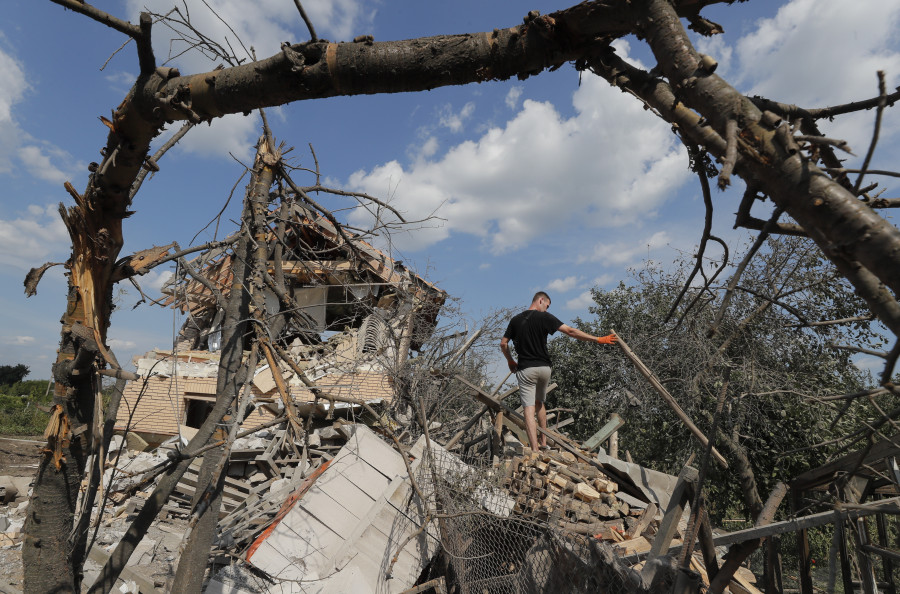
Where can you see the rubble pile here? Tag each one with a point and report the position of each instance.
(578, 497)
(339, 509)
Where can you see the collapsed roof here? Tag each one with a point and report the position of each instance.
(337, 281)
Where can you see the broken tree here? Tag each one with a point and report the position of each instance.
(755, 140)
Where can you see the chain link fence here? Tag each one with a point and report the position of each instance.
(502, 534)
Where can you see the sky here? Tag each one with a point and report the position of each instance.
(558, 182)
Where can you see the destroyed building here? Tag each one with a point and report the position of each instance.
(362, 313)
(329, 486)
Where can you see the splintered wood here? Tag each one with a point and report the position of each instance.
(575, 496)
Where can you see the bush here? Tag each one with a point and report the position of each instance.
(19, 412)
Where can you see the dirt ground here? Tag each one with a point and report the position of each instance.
(19, 455)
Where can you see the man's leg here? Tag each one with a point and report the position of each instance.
(527, 385)
(541, 420)
(541, 381)
(531, 426)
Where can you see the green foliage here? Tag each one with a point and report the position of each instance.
(780, 367)
(11, 374)
(19, 412)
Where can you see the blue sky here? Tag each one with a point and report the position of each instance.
(550, 183)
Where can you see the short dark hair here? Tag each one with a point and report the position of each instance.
(540, 294)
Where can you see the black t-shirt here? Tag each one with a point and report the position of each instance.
(529, 331)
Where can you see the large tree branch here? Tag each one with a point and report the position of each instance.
(659, 95)
(832, 215)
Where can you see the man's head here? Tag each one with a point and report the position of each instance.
(540, 301)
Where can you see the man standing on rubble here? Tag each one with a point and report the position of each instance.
(529, 331)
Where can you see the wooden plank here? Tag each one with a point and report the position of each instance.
(614, 424)
(643, 521)
(471, 422)
(670, 400)
(561, 440)
(878, 451)
(634, 545)
(890, 506)
(686, 479)
(98, 555)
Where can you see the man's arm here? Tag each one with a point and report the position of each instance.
(579, 335)
(504, 346)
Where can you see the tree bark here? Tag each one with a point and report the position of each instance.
(193, 561)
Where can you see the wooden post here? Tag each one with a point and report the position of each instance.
(614, 445)
(803, 554)
(773, 579)
(496, 438)
(866, 570)
(687, 478)
(605, 432)
(846, 570)
(669, 399)
(886, 562)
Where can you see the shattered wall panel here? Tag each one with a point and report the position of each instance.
(347, 527)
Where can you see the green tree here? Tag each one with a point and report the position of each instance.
(782, 361)
(10, 374)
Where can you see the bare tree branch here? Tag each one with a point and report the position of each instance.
(882, 102)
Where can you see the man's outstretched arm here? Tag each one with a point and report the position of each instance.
(579, 335)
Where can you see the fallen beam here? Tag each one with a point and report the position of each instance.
(614, 424)
(845, 512)
(670, 400)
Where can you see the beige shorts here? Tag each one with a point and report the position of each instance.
(533, 383)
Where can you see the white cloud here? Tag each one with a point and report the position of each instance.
(561, 285)
(18, 340)
(869, 363)
(816, 54)
(13, 86)
(454, 121)
(115, 343)
(624, 253)
(17, 148)
(583, 301)
(233, 134)
(603, 280)
(38, 163)
(30, 240)
(608, 165)
(154, 280)
(512, 97)
(429, 148)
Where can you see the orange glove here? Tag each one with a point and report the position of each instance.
(608, 339)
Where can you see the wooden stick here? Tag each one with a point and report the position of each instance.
(670, 400)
